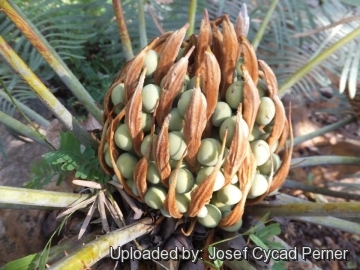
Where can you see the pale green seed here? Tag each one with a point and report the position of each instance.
(152, 174)
(118, 95)
(205, 172)
(173, 163)
(145, 143)
(262, 88)
(146, 120)
(126, 164)
(184, 101)
(274, 162)
(177, 145)
(134, 189)
(266, 111)
(165, 213)
(221, 113)
(255, 133)
(234, 180)
(203, 212)
(234, 94)
(259, 186)
(108, 158)
(155, 197)
(150, 96)
(182, 202)
(122, 138)
(230, 125)
(239, 63)
(151, 62)
(229, 195)
(261, 151)
(106, 147)
(232, 228)
(221, 206)
(184, 181)
(209, 152)
(274, 146)
(191, 84)
(176, 121)
(213, 217)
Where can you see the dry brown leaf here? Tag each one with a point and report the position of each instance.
(203, 41)
(231, 50)
(236, 152)
(173, 85)
(250, 59)
(161, 152)
(269, 78)
(194, 125)
(251, 99)
(169, 52)
(133, 117)
(279, 121)
(134, 69)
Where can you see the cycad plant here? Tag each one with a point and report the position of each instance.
(192, 125)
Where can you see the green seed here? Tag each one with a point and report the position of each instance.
(145, 143)
(134, 189)
(266, 111)
(233, 228)
(265, 169)
(221, 113)
(239, 63)
(213, 217)
(122, 138)
(261, 151)
(155, 197)
(234, 94)
(262, 88)
(255, 133)
(221, 206)
(205, 172)
(165, 213)
(151, 62)
(176, 121)
(177, 145)
(229, 195)
(184, 101)
(209, 152)
(203, 212)
(182, 202)
(184, 181)
(126, 164)
(230, 125)
(150, 96)
(152, 174)
(118, 95)
(274, 146)
(259, 186)
(191, 84)
(108, 158)
(146, 120)
(173, 163)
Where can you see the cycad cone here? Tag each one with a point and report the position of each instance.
(193, 127)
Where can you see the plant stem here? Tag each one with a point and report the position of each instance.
(142, 25)
(324, 160)
(23, 198)
(317, 60)
(291, 184)
(20, 68)
(307, 209)
(321, 131)
(264, 24)
(124, 34)
(29, 112)
(50, 55)
(21, 128)
(89, 254)
(331, 222)
(191, 19)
